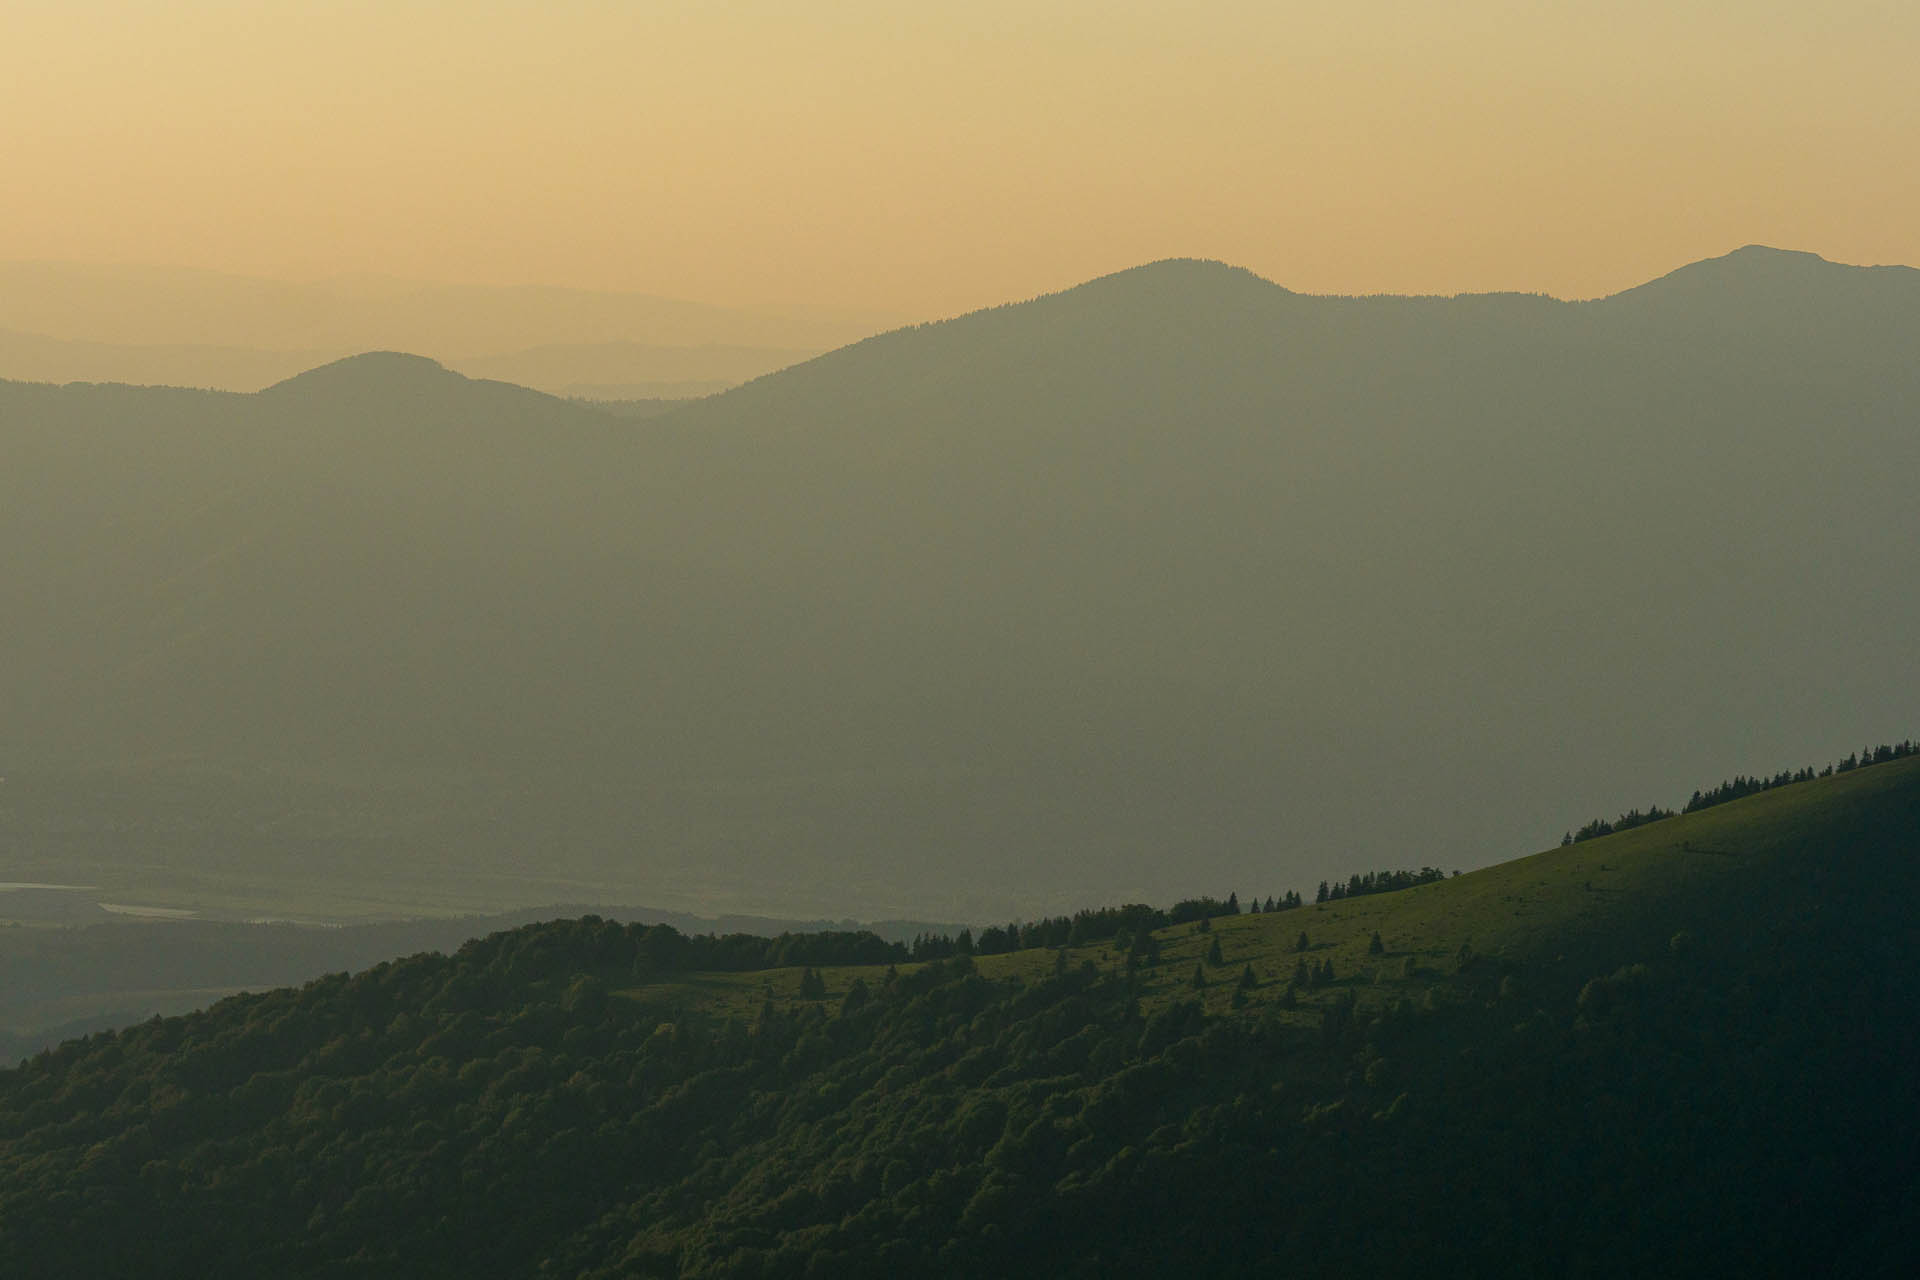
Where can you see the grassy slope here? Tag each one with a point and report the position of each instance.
(1693, 1108)
(1572, 912)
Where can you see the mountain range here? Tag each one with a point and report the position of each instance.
(66, 322)
(1176, 580)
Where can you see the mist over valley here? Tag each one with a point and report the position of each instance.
(1176, 580)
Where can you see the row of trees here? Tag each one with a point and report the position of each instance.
(1377, 882)
(1128, 924)
(1625, 822)
(1081, 929)
(644, 952)
(1740, 786)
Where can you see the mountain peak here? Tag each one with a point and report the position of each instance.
(1761, 276)
(372, 372)
(1754, 262)
(1766, 253)
(408, 389)
(1193, 277)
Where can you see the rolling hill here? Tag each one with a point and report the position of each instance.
(1174, 576)
(1683, 1048)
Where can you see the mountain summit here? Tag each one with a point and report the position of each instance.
(371, 368)
(371, 376)
(1787, 293)
(386, 383)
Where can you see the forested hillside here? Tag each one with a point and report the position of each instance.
(59, 980)
(1680, 1049)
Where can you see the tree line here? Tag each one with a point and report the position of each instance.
(1083, 928)
(1741, 786)
(643, 951)
(1137, 920)
(1377, 882)
(646, 950)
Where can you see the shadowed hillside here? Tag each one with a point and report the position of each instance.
(1174, 574)
(1684, 1049)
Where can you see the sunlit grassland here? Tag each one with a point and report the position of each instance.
(1551, 915)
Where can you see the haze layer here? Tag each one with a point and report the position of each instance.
(1176, 581)
(930, 159)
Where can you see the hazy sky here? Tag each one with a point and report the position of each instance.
(931, 158)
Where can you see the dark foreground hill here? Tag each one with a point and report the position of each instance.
(68, 973)
(1176, 574)
(1681, 1050)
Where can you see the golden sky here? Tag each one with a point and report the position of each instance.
(930, 158)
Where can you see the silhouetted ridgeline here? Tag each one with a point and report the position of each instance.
(647, 951)
(1086, 926)
(1741, 786)
(1625, 822)
(1377, 882)
(1136, 920)
(1142, 583)
(66, 982)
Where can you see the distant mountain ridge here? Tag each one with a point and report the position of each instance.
(593, 370)
(1756, 271)
(69, 322)
(376, 377)
(1174, 574)
(119, 304)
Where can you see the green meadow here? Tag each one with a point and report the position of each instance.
(1563, 910)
